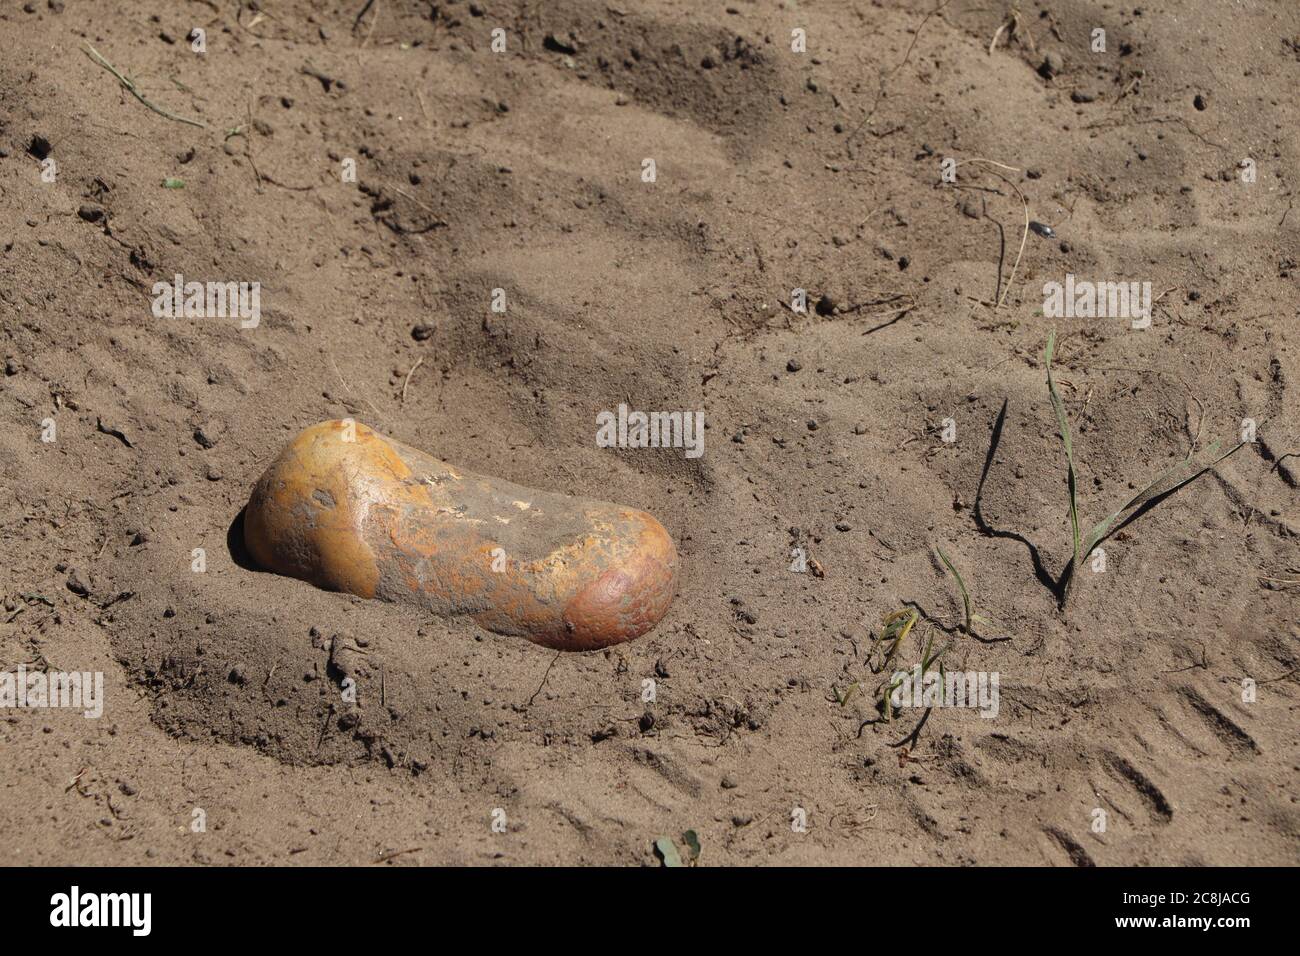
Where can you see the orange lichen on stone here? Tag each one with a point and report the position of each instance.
(350, 510)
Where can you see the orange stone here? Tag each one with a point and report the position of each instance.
(350, 510)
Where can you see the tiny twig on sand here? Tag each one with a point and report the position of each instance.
(1014, 27)
(373, 20)
(129, 86)
(392, 854)
(423, 205)
(994, 41)
(1024, 237)
(544, 676)
(885, 78)
(356, 21)
(407, 381)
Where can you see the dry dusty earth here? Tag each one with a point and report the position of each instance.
(522, 170)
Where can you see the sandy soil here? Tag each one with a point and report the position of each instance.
(775, 170)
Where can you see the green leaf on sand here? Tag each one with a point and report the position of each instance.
(667, 851)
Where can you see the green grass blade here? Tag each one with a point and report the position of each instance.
(896, 628)
(1161, 486)
(961, 585)
(1063, 425)
(1164, 484)
(927, 659)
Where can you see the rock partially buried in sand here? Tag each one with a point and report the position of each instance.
(350, 510)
